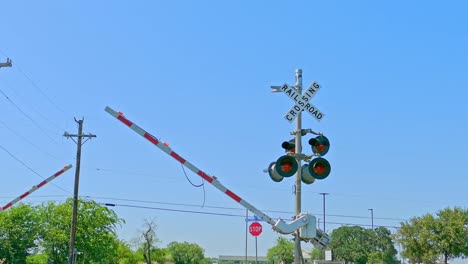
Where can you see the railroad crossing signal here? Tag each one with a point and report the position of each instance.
(302, 101)
(287, 165)
(319, 168)
(320, 145)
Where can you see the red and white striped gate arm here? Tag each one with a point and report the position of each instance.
(35, 188)
(191, 167)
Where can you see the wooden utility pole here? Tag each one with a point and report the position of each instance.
(79, 143)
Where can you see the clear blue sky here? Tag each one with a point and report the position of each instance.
(197, 74)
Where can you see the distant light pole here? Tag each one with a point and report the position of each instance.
(324, 194)
(372, 217)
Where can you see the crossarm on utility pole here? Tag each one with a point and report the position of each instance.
(6, 64)
(279, 226)
(35, 188)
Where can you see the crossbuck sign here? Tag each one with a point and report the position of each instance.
(302, 101)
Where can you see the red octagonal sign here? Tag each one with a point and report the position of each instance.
(255, 229)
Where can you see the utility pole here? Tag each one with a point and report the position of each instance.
(372, 222)
(297, 241)
(79, 143)
(6, 64)
(323, 194)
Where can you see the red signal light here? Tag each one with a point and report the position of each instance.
(319, 168)
(320, 145)
(286, 166)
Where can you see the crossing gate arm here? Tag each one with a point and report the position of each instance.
(279, 225)
(35, 188)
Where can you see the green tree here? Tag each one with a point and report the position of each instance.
(283, 251)
(186, 253)
(19, 230)
(426, 238)
(351, 244)
(317, 254)
(359, 245)
(125, 254)
(37, 259)
(451, 233)
(385, 251)
(96, 240)
(160, 255)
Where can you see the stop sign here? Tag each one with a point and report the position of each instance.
(255, 229)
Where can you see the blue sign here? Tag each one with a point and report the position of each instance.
(254, 219)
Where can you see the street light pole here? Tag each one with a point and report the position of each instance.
(372, 217)
(324, 194)
(372, 222)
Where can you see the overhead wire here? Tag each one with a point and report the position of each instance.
(360, 196)
(28, 141)
(30, 169)
(218, 214)
(202, 212)
(34, 84)
(43, 116)
(40, 90)
(27, 116)
(234, 208)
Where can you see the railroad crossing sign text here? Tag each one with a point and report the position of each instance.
(302, 101)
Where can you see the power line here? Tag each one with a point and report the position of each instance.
(27, 140)
(363, 225)
(40, 90)
(169, 209)
(30, 169)
(33, 83)
(231, 208)
(33, 108)
(360, 196)
(211, 213)
(27, 116)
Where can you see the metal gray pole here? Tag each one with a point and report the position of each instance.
(324, 209)
(297, 247)
(372, 221)
(256, 252)
(79, 143)
(246, 232)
